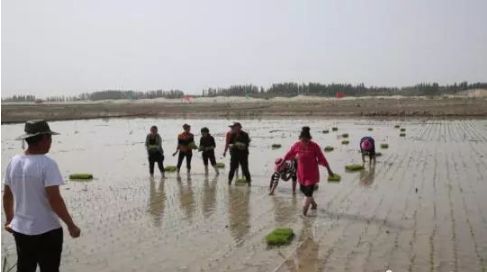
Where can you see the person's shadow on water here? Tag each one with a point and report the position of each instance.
(186, 198)
(238, 213)
(209, 196)
(157, 199)
(367, 176)
(306, 257)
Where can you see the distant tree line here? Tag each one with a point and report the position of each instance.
(288, 89)
(291, 89)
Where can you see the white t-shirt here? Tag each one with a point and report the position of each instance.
(27, 176)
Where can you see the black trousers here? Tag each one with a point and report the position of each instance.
(153, 158)
(209, 155)
(241, 159)
(43, 249)
(181, 157)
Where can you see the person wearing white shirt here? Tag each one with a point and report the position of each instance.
(33, 203)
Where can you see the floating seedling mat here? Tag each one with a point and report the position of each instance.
(354, 167)
(334, 178)
(241, 181)
(402, 135)
(329, 148)
(275, 146)
(279, 236)
(345, 142)
(397, 126)
(334, 128)
(81, 176)
(170, 168)
(345, 135)
(325, 131)
(370, 129)
(384, 146)
(403, 129)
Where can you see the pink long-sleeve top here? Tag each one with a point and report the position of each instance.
(309, 156)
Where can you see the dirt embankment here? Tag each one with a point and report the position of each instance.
(385, 107)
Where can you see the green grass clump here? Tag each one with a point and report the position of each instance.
(241, 181)
(334, 128)
(384, 146)
(345, 142)
(328, 148)
(220, 165)
(345, 135)
(81, 176)
(403, 129)
(334, 178)
(326, 131)
(402, 135)
(279, 236)
(276, 146)
(354, 167)
(397, 126)
(170, 168)
(370, 129)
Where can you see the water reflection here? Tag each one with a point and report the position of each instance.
(284, 209)
(238, 212)
(157, 201)
(306, 257)
(367, 176)
(186, 197)
(209, 196)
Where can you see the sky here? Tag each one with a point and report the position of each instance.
(65, 47)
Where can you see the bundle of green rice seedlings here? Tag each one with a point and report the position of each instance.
(220, 165)
(397, 126)
(354, 167)
(81, 176)
(378, 154)
(329, 148)
(170, 168)
(274, 146)
(345, 142)
(345, 135)
(384, 146)
(192, 145)
(279, 236)
(402, 135)
(241, 181)
(334, 178)
(370, 129)
(326, 131)
(334, 128)
(403, 129)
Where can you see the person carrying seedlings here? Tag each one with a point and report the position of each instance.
(284, 170)
(309, 156)
(153, 144)
(239, 152)
(207, 147)
(367, 147)
(185, 148)
(33, 203)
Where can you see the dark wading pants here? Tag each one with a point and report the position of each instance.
(188, 159)
(241, 159)
(43, 249)
(153, 158)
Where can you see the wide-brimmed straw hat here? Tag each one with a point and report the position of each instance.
(36, 127)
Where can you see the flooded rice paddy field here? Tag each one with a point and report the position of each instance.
(421, 208)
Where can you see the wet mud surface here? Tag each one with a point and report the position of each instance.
(421, 208)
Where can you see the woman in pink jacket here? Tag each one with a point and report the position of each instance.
(309, 156)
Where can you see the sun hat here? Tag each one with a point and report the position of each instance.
(235, 124)
(36, 127)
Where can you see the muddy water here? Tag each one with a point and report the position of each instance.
(421, 208)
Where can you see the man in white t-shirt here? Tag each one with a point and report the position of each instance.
(32, 202)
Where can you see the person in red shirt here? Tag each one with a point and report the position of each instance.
(309, 156)
(185, 147)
